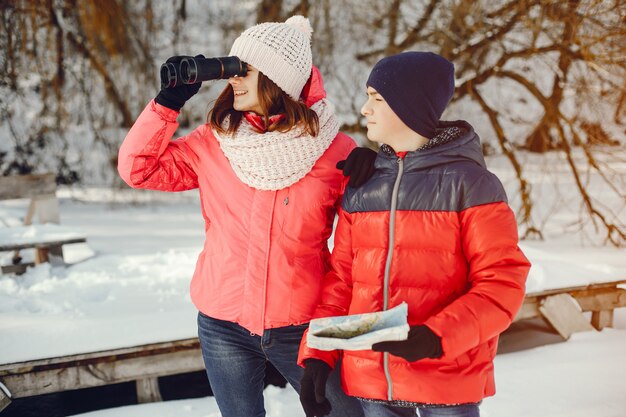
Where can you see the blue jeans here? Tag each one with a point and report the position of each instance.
(381, 410)
(235, 364)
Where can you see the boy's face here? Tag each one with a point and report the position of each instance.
(384, 126)
(382, 122)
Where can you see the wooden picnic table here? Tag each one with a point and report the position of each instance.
(46, 237)
(47, 240)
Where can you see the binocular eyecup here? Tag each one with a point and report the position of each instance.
(192, 70)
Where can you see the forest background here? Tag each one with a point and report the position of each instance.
(537, 78)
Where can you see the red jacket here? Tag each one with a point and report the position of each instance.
(433, 230)
(265, 252)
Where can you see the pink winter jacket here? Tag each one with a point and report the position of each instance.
(265, 252)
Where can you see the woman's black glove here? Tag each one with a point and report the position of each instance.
(359, 166)
(175, 98)
(421, 343)
(313, 388)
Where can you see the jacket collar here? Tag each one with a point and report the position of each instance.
(455, 141)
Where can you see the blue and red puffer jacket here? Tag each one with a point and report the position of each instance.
(432, 229)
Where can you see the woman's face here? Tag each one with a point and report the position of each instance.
(246, 90)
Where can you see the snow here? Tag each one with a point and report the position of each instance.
(128, 268)
(40, 233)
(581, 377)
(138, 261)
(279, 402)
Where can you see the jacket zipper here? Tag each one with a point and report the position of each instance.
(392, 224)
(267, 260)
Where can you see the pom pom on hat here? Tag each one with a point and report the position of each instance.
(281, 51)
(302, 24)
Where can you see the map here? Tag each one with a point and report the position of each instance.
(359, 331)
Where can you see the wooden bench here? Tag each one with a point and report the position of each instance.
(47, 238)
(563, 308)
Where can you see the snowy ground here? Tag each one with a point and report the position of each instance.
(138, 262)
(129, 286)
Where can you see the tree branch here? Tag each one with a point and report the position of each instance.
(614, 235)
(411, 38)
(466, 87)
(109, 85)
(505, 146)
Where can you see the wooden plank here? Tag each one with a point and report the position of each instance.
(148, 390)
(16, 269)
(609, 284)
(602, 319)
(5, 398)
(41, 255)
(564, 314)
(47, 209)
(107, 370)
(50, 253)
(602, 297)
(55, 255)
(27, 186)
(38, 236)
(92, 357)
(44, 245)
(529, 310)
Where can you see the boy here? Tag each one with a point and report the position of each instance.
(431, 228)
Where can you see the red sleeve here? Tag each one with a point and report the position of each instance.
(497, 277)
(337, 288)
(149, 159)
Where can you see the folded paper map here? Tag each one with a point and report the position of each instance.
(359, 331)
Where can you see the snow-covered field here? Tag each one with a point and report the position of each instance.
(129, 285)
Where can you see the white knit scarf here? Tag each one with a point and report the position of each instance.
(275, 160)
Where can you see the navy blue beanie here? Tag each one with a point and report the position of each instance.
(417, 86)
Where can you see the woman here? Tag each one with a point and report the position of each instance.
(265, 167)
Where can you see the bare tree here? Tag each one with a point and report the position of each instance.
(559, 64)
(53, 41)
(487, 41)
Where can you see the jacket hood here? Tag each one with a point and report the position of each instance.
(460, 143)
(313, 90)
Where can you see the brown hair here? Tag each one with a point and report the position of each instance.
(272, 100)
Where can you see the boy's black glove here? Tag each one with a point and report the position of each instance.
(313, 388)
(175, 98)
(359, 166)
(421, 343)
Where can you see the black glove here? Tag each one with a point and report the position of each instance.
(359, 166)
(313, 388)
(421, 343)
(175, 98)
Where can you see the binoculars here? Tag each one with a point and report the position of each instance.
(192, 70)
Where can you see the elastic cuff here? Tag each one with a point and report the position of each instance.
(166, 113)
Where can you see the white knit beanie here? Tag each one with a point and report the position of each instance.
(281, 51)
